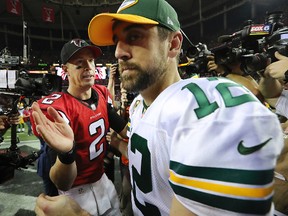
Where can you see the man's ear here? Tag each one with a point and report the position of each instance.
(175, 44)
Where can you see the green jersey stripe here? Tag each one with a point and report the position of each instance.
(252, 177)
(243, 206)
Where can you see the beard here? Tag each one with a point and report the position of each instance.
(141, 78)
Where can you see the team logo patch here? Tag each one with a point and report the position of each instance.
(249, 150)
(127, 3)
(78, 42)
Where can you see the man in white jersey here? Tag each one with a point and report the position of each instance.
(202, 146)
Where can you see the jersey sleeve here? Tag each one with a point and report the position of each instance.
(223, 162)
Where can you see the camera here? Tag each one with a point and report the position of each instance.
(278, 41)
(16, 84)
(198, 65)
(254, 44)
(33, 84)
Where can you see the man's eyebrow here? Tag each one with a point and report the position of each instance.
(116, 23)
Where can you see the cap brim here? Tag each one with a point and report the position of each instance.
(96, 52)
(100, 27)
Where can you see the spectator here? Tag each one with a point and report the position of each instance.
(271, 84)
(26, 119)
(21, 125)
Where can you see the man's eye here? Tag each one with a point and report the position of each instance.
(78, 66)
(133, 37)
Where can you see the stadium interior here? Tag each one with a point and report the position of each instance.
(35, 38)
(201, 21)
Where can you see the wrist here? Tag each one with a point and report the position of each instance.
(68, 157)
(115, 142)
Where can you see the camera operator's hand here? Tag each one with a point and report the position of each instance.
(3, 120)
(57, 133)
(58, 205)
(14, 119)
(7, 121)
(277, 69)
(212, 66)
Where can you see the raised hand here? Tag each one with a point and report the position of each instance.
(57, 133)
(277, 69)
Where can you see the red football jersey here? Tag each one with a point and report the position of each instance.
(90, 125)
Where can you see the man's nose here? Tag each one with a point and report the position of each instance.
(88, 65)
(122, 50)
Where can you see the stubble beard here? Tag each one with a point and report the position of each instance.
(141, 79)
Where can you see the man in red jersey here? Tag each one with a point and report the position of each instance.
(87, 108)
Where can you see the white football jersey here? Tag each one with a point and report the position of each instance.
(209, 142)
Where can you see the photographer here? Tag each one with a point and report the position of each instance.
(271, 84)
(233, 72)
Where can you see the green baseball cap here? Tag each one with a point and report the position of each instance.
(156, 12)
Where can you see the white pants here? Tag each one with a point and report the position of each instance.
(98, 198)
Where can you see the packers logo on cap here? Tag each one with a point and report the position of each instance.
(125, 4)
(149, 12)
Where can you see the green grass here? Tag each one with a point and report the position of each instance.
(23, 136)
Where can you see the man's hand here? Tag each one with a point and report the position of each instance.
(58, 205)
(3, 119)
(212, 66)
(14, 119)
(6, 121)
(113, 71)
(117, 141)
(277, 69)
(113, 139)
(57, 133)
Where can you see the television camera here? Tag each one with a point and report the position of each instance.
(199, 58)
(254, 45)
(17, 85)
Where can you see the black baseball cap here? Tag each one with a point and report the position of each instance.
(75, 45)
